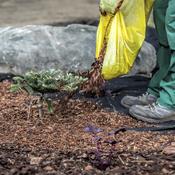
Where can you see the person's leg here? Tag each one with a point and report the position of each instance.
(164, 109)
(167, 93)
(164, 53)
(163, 57)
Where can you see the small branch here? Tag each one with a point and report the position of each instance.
(29, 109)
(121, 160)
(40, 107)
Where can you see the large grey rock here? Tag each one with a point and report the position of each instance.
(70, 48)
(44, 47)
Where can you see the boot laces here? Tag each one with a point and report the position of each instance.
(152, 106)
(145, 95)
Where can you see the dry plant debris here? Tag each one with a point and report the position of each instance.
(95, 81)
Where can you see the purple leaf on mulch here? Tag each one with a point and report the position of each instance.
(93, 129)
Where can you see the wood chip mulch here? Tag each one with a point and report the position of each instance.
(63, 133)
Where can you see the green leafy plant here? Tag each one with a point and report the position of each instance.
(48, 81)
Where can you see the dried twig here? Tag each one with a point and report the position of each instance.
(39, 105)
(121, 160)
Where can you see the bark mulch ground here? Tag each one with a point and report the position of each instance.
(60, 146)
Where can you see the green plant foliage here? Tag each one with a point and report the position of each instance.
(50, 106)
(47, 82)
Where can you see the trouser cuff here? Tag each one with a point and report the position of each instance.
(150, 91)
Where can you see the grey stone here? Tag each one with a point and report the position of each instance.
(68, 48)
(44, 47)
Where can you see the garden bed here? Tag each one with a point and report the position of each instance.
(59, 145)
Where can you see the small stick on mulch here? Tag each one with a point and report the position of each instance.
(36, 101)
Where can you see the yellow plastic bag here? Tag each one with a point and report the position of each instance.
(124, 34)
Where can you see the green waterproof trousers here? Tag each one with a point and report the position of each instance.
(162, 84)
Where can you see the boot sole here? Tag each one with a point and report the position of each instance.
(150, 120)
(129, 106)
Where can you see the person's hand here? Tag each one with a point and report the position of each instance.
(103, 13)
(118, 6)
